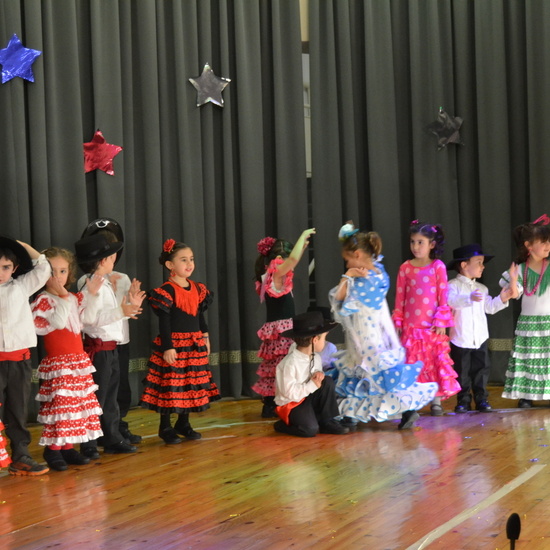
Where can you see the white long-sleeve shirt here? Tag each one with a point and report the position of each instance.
(293, 377)
(107, 324)
(471, 328)
(16, 321)
(122, 288)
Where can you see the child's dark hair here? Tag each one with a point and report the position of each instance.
(10, 256)
(433, 232)
(370, 243)
(529, 232)
(269, 252)
(303, 341)
(169, 250)
(68, 256)
(89, 267)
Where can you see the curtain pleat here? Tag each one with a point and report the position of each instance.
(377, 84)
(219, 179)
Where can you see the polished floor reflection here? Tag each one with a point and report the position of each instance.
(452, 482)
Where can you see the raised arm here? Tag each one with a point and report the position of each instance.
(295, 256)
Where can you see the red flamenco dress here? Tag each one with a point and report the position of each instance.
(187, 385)
(4, 457)
(69, 409)
(280, 310)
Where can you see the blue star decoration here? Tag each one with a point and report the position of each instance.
(16, 60)
(209, 87)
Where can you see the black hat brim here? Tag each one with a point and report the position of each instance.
(105, 224)
(326, 327)
(456, 261)
(109, 250)
(25, 261)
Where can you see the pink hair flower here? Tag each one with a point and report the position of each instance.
(543, 220)
(168, 245)
(265, 245)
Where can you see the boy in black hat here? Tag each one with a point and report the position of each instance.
(121, 285)
(470, 302)
(96, 255)
(305, 397)
(23, 271)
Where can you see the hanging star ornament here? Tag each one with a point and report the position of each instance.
(209, 87)
(446, 128)
(99, 155)
(16, 60)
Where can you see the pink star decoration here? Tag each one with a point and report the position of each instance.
(99, 155)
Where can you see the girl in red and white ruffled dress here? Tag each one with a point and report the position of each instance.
(69, 408)
(274, 273)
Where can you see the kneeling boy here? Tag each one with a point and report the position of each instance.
(305, 397)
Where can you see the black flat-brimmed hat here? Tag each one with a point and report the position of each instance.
(105, 224)
(307, 324)
(25, 261)
(464, 253)
(94, 248)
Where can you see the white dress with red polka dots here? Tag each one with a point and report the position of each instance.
(68, 406)
(420, 307)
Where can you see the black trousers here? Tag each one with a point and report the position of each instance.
(316, 409)
(124, 396)
(15, 389)
(107, 378)
(473, 367)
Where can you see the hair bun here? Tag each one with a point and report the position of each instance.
(346, 231)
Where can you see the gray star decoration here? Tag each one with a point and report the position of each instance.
(209, 87)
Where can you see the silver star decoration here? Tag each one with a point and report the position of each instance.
(209, 87)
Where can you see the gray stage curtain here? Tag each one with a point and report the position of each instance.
(380, 70)
(217, 178)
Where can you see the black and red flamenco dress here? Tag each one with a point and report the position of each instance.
(187, 385)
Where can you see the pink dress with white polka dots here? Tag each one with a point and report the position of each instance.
(420, 305)
(68, 405)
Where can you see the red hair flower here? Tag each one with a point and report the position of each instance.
(169, 245)
(265, 245)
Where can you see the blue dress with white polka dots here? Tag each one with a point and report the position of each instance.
(373, 379)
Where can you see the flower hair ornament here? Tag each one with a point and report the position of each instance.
(168, 245)
(543, 220)
(265, 245)
(347, 231)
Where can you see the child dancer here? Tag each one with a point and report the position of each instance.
(471, 303)
(421, 312)
(373, 380)
(23, 271)
(305, 397)
(274, 272)
(179, 380)
(96, 256)
(528, 374)
(68, 406)
(121, 283)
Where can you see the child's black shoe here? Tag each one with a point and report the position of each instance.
(333, 427)
(72, 456)
(54, 460)
(484, 407)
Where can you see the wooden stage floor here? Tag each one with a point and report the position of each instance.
(451, 483)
